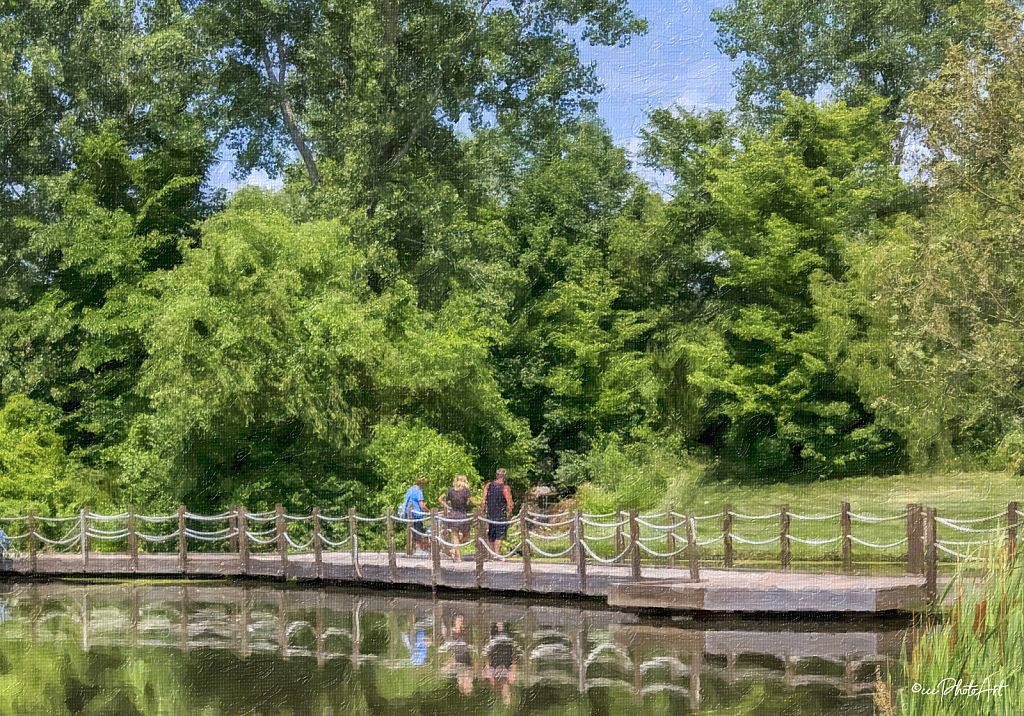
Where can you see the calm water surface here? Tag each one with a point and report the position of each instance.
(125, 648)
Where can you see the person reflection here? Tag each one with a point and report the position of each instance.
(501, 662)
(416, 641)
(460, 659)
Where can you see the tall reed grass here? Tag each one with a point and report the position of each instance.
(971, 660)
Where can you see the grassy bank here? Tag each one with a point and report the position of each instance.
(961, 496)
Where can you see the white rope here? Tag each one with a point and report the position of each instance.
(372, 519)
(652, 515)
(549, 538)
(654, 538)
(454, 520)
(264, 533)
(698, 518)
(157, 518)
(495, 554)
(541, 514)
(663, 528)
(93, 530)
(978, 519)
(813, 517)
(598, 539)
(13, 537)
(498, 522)
(948, 523)
(550, 524)
(289, 540)
(216, 533)
(454, 545)
(107, 518)
(646, 549)
(601, 559)
(207, 518)
(872, 518)
(15, 519)
(107, 536)
(757, 542)
(209, 536)
(335, 544)
(158, 538)
(878, 546)
(815, 542)
(257, 540)
(67, 540)
(958, 554)
(539, 551)
(250, 517)
(755, 517)
(297, 518)
(972, 543)
(56, 519)
(325, 518)
(603, 524)
(599, 514)
(711, 541)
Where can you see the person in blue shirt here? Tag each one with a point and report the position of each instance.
(416, 510)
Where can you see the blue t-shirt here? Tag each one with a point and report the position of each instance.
(414, 495)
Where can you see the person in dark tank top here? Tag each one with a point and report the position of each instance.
(497, 507)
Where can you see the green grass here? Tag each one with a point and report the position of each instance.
(981, 636)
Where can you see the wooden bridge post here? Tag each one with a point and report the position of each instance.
(355, 542)
(233, 526)
(318, 545)
(392, 557)
(787, 555)
(133, 538)
(447, 533)
(243, 540)
(182, 543)
(845, 527)
(435, 548)
(727, 536)
(281, 538)
(32, 540)
(579, 535)
(915, 551)
(480, 552)
(1011, 530)
(692, 551)
(524, 533)
(83, 519)
(620, 542)
(410, 543)
(670, 536)
(634, 535)
(931, 556)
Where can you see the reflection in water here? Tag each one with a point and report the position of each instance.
(150, 648)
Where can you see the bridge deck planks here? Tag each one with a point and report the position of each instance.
(661, 587)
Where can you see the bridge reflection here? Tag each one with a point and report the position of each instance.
(495, 642)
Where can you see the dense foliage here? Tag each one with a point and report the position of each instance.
(420, 300)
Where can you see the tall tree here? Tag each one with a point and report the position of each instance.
(851, 48)
(772, 216)
(361, 89)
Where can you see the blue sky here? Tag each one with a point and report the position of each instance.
(675, 63)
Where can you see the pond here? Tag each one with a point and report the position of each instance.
(256, 648)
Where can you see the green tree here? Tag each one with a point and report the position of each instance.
(772, 217)
(851, 48)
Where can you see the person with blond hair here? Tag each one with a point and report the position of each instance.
(457, 501)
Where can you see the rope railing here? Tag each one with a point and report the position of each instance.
(626, 538)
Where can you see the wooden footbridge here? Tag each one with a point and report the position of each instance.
(632, 560)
